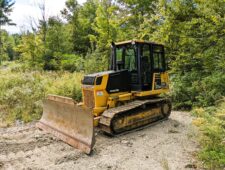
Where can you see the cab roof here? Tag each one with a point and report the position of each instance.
(135, 41)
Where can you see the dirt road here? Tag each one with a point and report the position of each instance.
(167, 145)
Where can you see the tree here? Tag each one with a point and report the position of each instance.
(132, 16)
(106, 28)
(8, 44)
(57, 37)
(31, 50)
(5, 10)
(80, 19)
(87, 17)
(43, 21)
(57, 43)
(193, 32)
(71, 14)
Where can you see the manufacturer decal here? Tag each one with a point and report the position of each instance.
(115, 90)
(100, 93)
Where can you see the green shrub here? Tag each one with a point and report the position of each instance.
(96, 62)
(211, 122)
(22, 92)
(71, 62)
(211, 89)
(196, 89)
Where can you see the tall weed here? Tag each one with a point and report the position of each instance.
(211, 122)
(22, 91)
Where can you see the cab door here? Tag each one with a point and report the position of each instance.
(126, 59)
(159, 65)
(146, 66)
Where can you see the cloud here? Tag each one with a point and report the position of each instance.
(24, 10)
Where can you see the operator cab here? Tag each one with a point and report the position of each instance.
(141, 59)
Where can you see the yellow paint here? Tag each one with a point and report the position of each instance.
(132, 119)
(103, 100)
(96, 121)
(135, 41)
(151, 93)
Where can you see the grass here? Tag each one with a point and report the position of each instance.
(165, 164)
(211, 122)
(23, 90)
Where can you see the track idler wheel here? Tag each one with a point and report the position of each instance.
(166, 108)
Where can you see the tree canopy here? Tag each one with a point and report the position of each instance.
(5, 10)
(192, 31)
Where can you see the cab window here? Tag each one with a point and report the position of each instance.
(125, 58)
(158, 58)
(145, 57)
(130, 63)
(119, 53)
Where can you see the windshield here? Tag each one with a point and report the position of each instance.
(125, 57)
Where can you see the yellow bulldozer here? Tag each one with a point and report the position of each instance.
(126, 97)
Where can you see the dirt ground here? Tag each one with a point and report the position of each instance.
(168, 145)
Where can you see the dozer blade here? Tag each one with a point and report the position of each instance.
(66, 120)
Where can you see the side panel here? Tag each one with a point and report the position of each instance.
(118, 82)
(160, 85)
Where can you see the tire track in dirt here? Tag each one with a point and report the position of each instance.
(23, 139)
(21, 147)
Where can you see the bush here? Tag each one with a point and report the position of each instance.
(22, 92)
(211, 89)
(71, 62)
(96, 62)
(211, 122)
(195, 89)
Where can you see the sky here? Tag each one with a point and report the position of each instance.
(24, 11)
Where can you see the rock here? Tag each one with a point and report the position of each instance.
(141, 135)
(109, 167)
(176, 124)
(67, 158)
(128, 143)
(28, 156)
(1, 165)
(124, 142)
(62, 149)
(191, 166)
(173, 131)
